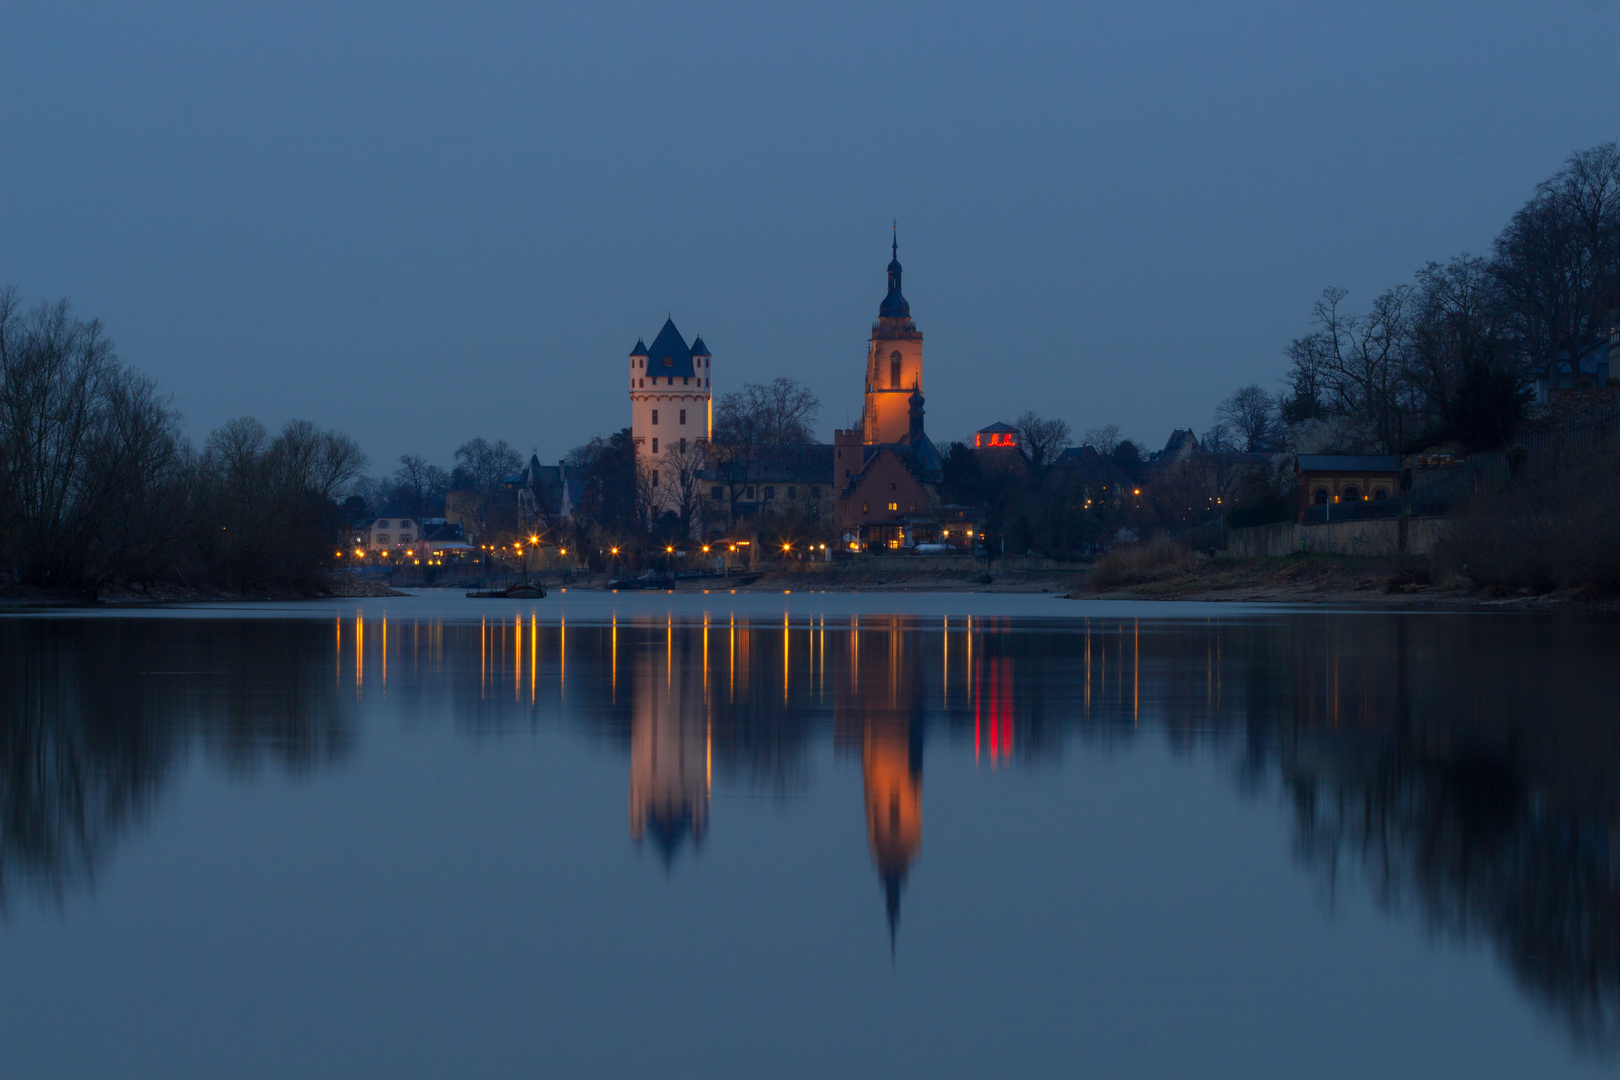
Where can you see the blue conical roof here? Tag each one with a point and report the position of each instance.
(700, 349)
(669, 354)
(639, 350)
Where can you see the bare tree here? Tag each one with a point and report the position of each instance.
(1360, 360)
(1250, 414)
(1558, 262)
(749, 421)
(419, 485)
(1040, 440)
(80, 438)
(318, 462)
(1458, 325)
(1103, 439)
(680, 469)
(481, 466)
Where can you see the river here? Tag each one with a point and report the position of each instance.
(807, 835)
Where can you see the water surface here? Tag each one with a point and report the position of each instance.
(807, 835)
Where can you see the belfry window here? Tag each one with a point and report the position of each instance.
(894, 371)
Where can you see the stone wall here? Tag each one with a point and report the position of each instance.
(1386, 536)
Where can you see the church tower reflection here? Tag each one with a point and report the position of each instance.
(877, 704)
(669, 750)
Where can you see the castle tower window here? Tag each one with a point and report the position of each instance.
(655, 445)
(683, 416)
(655, 478)
(683, 446)
(655, 416)
(894, 371)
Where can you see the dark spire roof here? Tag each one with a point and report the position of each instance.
(916, 400)
(639, 350)
(700, 349)
(894, 305)
(669, 345)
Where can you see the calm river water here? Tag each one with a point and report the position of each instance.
(807, 836)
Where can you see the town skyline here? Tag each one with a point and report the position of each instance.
(409, 228)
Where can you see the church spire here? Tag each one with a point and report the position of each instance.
(894, 305)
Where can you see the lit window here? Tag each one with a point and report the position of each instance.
(894, 506)
(866, 508)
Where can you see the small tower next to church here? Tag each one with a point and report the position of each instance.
(893, 365)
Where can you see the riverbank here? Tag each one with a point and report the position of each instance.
(336, 587)
(1338, 580)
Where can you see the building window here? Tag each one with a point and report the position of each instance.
(655, 416)
(405, 538)
(791, 493)
(683, 446)
(1352, 492)
(894, 506)
(1380, 493)
(669, 361)
(748, 493)
(866, 508)
(655, 446)
(770, 492)
(382, 538)
(1320, 496)
(683, 416)
(893, 486)
(894, 371)
(685, 380)
(913, 506)
(714, 492)
(655, 478)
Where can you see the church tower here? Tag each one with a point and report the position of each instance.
(893, 365)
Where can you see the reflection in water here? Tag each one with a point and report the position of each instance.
(1461, 769)
(669, 746)
(95, 716)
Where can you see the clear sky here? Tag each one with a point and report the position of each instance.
(421, 223)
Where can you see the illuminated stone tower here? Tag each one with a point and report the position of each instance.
(670, 398)
(893, 365)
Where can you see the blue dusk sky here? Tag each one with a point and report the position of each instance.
(421, 223)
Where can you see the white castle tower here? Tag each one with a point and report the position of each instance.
(671, 403)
